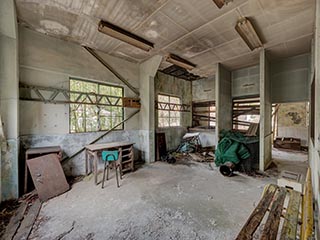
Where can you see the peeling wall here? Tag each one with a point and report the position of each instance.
(290, 79)
(170, 85)
(47, 61)
(292, 121)
(246, 82)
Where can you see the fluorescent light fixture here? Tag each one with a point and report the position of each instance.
(248, 33)
(125, 36)
(221, 3)
(176, 60)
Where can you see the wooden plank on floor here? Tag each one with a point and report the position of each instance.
(15, 221)
(307, 210)
(271, 227)
(289, 229)
(28, 221)
(257, 215)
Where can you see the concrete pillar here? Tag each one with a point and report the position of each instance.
(9, 99)
(265, 113)
(148, 70)
(314, 144)
(317, 77)
(223, 100)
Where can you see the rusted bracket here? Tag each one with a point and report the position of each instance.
(172, 107)
(111, 69)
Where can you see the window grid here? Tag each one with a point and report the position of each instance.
(91, 118)
(168, 118)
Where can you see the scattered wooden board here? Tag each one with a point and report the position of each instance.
(28, 221)
(15, 221)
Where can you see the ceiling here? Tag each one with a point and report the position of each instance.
(195, 30)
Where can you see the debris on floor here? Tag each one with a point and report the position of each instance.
(7, 210)
(287, 143)
(202, 157)
(22, 221)
(190, 143)
(190, 147)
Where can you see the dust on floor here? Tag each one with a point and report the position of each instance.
(158, 201)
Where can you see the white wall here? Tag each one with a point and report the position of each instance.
(246, 82)
(290, 79)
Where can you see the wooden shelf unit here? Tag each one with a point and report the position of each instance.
(127, 158)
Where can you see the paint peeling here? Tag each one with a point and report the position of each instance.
(54, 27)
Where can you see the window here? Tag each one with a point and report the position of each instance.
(245, 111)
(86, 117)
(169, 117)
(204, 114)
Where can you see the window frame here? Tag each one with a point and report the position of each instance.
(169, 95)
(98, 83)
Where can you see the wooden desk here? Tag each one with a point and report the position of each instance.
(38, 152)
(126, 155)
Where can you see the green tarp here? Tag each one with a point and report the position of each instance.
(232, 147)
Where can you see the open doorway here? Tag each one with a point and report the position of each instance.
(290, 125)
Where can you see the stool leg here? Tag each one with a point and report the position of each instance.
(104, 174)
(108, 171)
(117, 176)
(120, 168)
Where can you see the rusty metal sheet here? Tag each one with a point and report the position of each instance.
(48, 176)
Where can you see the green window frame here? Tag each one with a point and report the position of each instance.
(85, 117)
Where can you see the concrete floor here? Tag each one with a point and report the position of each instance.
(187, 200)
(290, 160)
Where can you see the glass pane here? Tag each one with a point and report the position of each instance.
(174, 122)
(163, 114)
(77, 118)
(83, 86)
(163, 98)
(175, 100)
(104, 90)
(92, 123)
(110, 90)
(174, 114)
(105, 111)
(163, 122)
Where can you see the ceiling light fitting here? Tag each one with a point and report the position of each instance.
(125, 36)
(221, 3)
(178, 61)
(248, 33)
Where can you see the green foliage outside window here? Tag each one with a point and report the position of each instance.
(90, 118)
